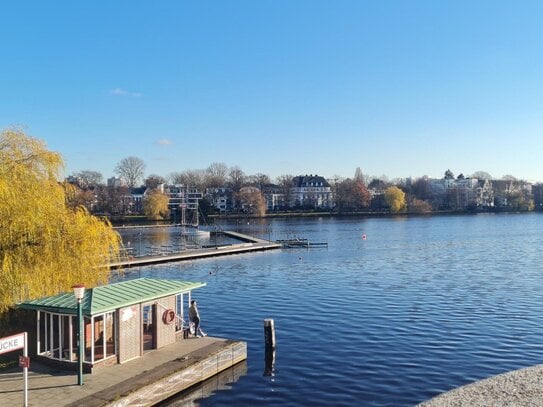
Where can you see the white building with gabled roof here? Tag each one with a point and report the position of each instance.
(311, 190)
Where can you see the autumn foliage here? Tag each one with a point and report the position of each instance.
(155, 205)
(352, 195)
(395, 199)
(252, 200)
(46, 246)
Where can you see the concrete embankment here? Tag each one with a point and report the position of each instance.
(251, 244)
(523, 387)
(145, 381)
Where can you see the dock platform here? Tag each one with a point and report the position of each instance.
(154, 377)
(250, 244)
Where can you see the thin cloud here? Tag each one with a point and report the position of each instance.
(123, 92)
(164, 142)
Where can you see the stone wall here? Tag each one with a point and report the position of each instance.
(199, 366)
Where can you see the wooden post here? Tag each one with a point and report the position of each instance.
(269, 361)
(269, 334)
(269, 339)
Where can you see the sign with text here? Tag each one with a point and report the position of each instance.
(24, 361)
(13, 342)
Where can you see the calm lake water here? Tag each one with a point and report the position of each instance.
(421, 306)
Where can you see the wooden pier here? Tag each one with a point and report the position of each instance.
(145, 381)
(300, 242)
(250, 244)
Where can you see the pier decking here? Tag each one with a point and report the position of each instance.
(145, 381)
(250, 244)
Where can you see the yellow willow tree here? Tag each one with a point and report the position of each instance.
(155, 205)
(45, 246)
(252, 200)
(395, 198)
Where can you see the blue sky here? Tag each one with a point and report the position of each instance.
(402, 88)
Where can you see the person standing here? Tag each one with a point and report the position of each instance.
(194, 317)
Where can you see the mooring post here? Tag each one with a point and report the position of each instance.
(269, 354)
(269, 334)
(269, 362)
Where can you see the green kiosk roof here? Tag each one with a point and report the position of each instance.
(109, 297)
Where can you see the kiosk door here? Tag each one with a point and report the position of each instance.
(149, 326)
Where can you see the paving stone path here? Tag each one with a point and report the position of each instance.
(53, 387)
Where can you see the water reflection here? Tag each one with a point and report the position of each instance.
(219, 382)
(269, 361)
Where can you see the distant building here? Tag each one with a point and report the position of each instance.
(219, 197)
(511, 193)
(450, 193)
(503, 190)
(312, 190)
(135, 200)
(537, 191)
(115, 182)
(466, 192)
(485, 194)
(275, 199)
(74, 180)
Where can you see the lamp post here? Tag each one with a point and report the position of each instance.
(79, 292)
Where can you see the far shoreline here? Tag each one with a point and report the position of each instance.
(142, 221)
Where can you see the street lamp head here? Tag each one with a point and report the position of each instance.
(79, 291)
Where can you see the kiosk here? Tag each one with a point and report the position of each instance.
(122, 321)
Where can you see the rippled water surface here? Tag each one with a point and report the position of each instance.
(421, 306)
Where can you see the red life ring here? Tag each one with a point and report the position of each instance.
(168, 317)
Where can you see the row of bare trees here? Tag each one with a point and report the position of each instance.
(349, 193)
(216, 175)
(245, 189)
(132, 171)
(219, 175)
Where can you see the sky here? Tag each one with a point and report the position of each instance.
(400, 88)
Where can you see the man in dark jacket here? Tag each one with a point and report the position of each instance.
(194, 317)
